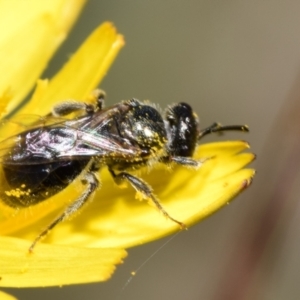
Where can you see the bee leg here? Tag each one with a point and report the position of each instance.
(70, 106)
(92, 183)
(143, 188)
(187, 161)
(67, 107)
(98, 96)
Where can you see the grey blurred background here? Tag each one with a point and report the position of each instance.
(236, 62)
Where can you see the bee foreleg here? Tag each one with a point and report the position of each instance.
(187, 161)
(146, 191)
(92, 183)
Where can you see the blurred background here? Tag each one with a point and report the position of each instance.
(235, 62)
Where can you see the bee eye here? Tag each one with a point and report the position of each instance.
(182, 125)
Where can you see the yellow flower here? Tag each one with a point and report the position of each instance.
(91, 244)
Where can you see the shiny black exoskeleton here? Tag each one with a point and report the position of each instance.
(42, 161)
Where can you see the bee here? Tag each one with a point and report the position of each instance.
(41, 161)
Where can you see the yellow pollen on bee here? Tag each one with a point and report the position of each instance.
(17, 193)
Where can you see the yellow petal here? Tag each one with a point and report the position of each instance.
(116, 219)
(31, 32)
(82, 73)
(5, 99)
(54, 265)
(5, 296)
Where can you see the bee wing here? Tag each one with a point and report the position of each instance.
(12, 130)
(44, 143)
(20, 123)
(93, 136)
(88, 144)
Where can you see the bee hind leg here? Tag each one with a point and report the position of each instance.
(144, 189)
(69, 106)
(92, 184)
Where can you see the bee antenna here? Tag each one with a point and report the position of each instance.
(216, 127)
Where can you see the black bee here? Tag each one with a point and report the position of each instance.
(43, 160)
